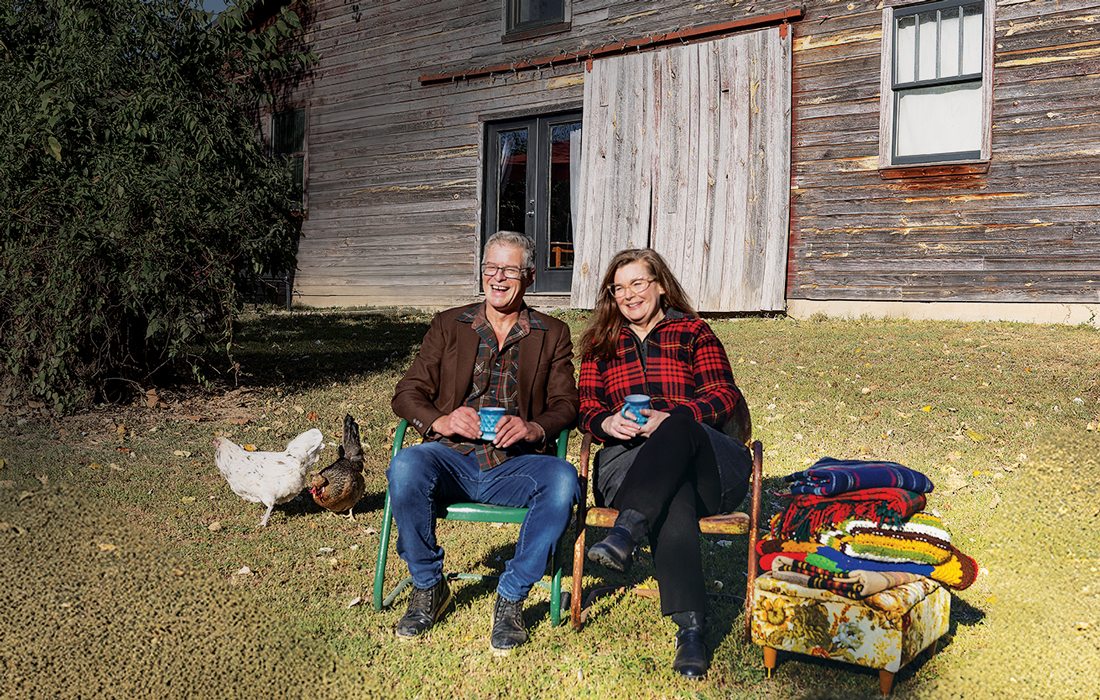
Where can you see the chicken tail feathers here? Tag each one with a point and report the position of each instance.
(352, 447)
(306, 448)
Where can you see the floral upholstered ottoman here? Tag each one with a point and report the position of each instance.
(883, 631)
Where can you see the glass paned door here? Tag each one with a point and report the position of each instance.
(531, 186)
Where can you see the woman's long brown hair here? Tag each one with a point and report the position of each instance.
(601, 337)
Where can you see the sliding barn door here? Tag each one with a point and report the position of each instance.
(687, 150)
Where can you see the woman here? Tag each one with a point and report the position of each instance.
(663, 475)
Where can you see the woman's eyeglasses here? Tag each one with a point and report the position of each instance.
(637, 286)
(512, 273)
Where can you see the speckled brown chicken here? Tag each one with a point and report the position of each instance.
(339, 486)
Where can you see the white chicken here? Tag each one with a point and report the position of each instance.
(270, 478)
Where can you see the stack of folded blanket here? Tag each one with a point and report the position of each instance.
(856, 528)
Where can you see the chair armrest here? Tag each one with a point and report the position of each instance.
(399, 437)
(563, 443)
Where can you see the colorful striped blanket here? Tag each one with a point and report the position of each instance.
(958, 572)
(855, 584)
(805, 515)
(829, 477)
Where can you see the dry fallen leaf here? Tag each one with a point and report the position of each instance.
(16, 529)
(187, 499)
(181, 453)
(95, 465)
(355, 601)
(249, 447)
(926, 408)
(243, 571)
(107, 547)
(975, 435)
(3, 463)
(312, 416)
(299, 410)
(42, 479)
(24, 495)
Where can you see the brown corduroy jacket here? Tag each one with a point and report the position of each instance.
(439, 379)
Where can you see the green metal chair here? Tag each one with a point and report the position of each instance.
(469, 512)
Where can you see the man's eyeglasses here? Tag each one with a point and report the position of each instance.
(510, 272)
(637, 286)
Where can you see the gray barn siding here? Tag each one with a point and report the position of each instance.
(1024, 231)
(395, 167)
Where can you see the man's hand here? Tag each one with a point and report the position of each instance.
(461, 422)
(513, 429)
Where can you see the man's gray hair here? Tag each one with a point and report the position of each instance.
(515, 239)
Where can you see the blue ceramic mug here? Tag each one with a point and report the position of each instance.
(489, 416)
(632, 407)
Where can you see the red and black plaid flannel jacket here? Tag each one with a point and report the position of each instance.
(685, 370)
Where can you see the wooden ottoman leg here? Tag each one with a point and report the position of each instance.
(770, 655)
(885, 681)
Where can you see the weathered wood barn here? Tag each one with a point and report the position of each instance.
(888, 156)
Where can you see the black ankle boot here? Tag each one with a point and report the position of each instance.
(426, 606)
(691, 650)
(508, 629)
(616, 551)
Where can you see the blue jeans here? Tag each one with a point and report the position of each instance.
(423, 478)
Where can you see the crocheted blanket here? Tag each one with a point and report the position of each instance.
(829, 476)
(806, 514)
(861, 538)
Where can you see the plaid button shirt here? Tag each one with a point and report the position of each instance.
(496, 374)
(682, 366)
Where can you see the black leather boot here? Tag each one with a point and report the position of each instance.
(508, 629)
(691, 650)
(426, 606)
(616, 551)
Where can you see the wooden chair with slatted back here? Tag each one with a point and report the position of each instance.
(728, 524)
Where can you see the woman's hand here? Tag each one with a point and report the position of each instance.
(620, 427)
(654, 418)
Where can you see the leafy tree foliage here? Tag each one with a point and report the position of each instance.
(136, 194)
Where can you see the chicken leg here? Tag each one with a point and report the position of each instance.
(263, 520)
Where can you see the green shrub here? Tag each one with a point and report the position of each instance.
(136, 194)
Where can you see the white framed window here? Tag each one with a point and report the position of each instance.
(937, 86)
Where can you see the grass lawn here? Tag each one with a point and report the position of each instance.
(126, 551)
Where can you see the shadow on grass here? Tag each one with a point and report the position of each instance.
(295, 352)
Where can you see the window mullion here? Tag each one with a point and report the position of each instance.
(939, 39)
(961, 34)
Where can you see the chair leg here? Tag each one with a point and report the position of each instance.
(383, 553)
(752, 564)
(575, 614)
(555, 585)
(770, 655)
(885, 681)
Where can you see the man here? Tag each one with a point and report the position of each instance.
(497, 353)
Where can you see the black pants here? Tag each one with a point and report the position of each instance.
(673, 482)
